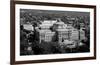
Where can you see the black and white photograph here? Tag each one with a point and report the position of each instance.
(54, 32)
(51, 32)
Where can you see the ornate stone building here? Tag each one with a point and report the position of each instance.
(45, 34)
(60, 29)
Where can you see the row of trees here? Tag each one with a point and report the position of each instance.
(35, 16)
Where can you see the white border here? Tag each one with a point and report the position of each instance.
(52, 56)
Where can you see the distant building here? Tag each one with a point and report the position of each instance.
(68, 33)
(49, 36)
(28, 27)
(45, 34)
(62, 32)
(46, 24)
(74, 34)
(60, 29)
(82, 25)
(82, 34)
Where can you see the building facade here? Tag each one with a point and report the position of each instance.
(45, 34)
(60, 29)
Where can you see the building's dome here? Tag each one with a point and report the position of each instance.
(60, 26)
